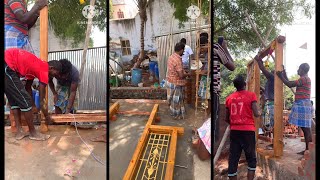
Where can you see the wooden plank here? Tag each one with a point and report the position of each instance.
(143, 113)
(44, 55)
(166, 129)
(153, 115)
(78, 118)
(113, 109)
(133, 165)
(145, 101)
(91, 111)
(257, 92)
(278, 103)
(265, 138)
(171, 156)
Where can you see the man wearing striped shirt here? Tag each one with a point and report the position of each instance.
(301, 111)
(221, 55)
(18, 21)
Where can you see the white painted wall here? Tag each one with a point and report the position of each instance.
(54, 43)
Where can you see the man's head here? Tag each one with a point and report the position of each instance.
(239, 83)
(203, 42)
(54, 68)
(183, 40)
(66, 68)
(303, 69)
(179, 48)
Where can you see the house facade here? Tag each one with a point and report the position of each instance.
(126, 31)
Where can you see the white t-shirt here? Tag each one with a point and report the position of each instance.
(185, 57)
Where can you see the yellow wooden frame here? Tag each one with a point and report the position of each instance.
(253, 85)
(150, 128)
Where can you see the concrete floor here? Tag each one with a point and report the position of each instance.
(63, 153)
(126, 131)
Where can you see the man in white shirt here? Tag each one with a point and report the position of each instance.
(186, 54)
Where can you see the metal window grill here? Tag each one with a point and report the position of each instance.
(154, 158)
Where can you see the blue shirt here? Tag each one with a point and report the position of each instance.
(269, 89)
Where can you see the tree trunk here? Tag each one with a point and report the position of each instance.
(86, 43)
(143, 19)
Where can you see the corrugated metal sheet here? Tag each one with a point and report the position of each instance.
(165, 48)
(92, 89)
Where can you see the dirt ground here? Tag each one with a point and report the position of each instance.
(292, 146)
(126, 130)
(63, 153)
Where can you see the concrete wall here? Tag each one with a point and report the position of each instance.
(158, 23)
(137, 93)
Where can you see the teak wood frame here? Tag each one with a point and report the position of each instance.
(254, 86)
(149, 128)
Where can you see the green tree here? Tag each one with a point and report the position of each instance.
(182, 6)
(67, 21)
(227, 85)
(227, 77)
(231, 22)
(110, 10)
(288, 94)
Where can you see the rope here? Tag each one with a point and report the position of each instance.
(91, 151)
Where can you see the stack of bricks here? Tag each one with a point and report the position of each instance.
(188, 92)
(138, 93)
(308, 163)
(290, 130)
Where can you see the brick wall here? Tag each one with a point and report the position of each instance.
(138, 93)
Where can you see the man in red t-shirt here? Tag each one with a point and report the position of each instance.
(241, 106)
(23, 64)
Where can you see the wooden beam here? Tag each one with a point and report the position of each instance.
(133, 165)
(134, 162)
(171, 156)
(142, 113)
(91, 111)
(257, 92)
(113, 109)
(278, 101)
(78, 118)
(44, 54)
(145, 101)
(265, 138)
(153, 115)
(166, 129)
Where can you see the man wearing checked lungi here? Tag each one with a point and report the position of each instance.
(18, 21)
(301, 111)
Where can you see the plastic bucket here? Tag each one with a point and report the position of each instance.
(152, 67)
(156, 71)
(136, 76)
(37, 99)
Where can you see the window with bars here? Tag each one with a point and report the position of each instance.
(125, 47)
(120, 14)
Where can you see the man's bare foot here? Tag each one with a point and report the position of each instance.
(20, 135)
(39, 137)
(102, 138)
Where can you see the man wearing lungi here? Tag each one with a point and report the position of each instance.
(301, 111)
